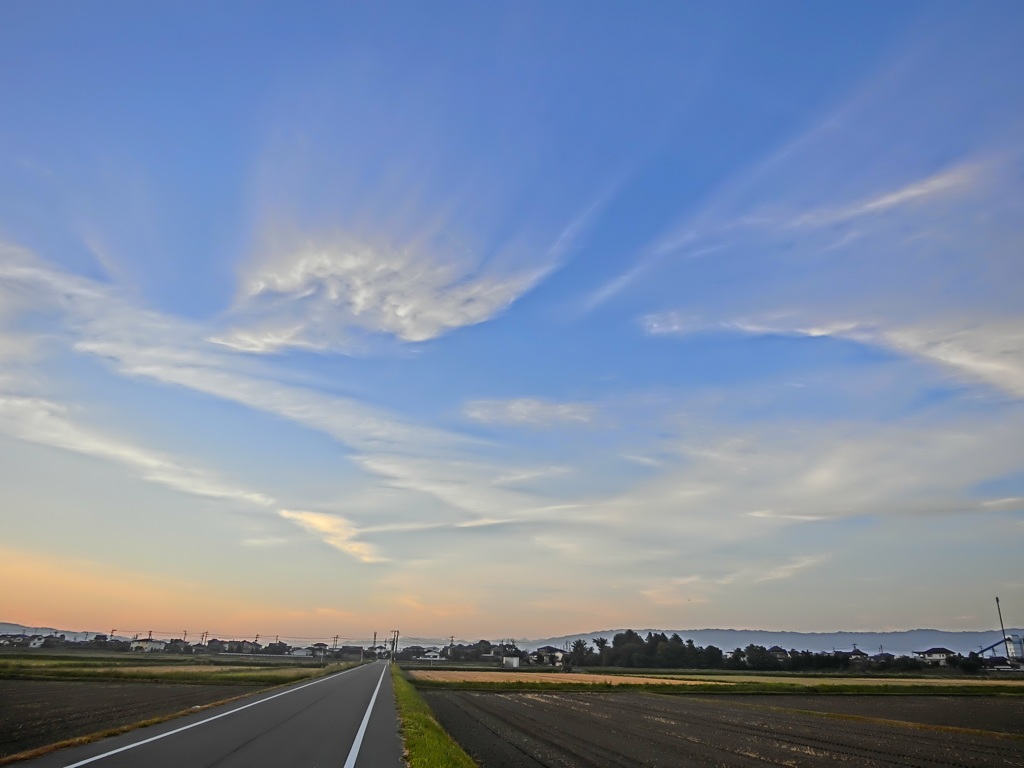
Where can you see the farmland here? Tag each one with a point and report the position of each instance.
(601, 730)
(51, 699)
(713, 683)
(533, 718)
(36, 713)
(546, 678)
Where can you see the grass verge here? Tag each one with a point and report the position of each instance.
(427, 744)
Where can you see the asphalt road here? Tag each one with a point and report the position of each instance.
(346, 720)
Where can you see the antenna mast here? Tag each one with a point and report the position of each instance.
(1006, 642)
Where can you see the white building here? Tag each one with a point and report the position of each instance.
(937, 656)
(148, 645)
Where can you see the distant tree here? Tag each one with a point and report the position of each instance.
(627, 650)
(579, 651)
(737, 660)
(757, 657)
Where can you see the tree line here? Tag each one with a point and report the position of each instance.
(658, 650)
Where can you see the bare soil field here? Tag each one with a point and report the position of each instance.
(986, 713)
(833, 679)
(35, 713)
(463, 676)
(606, 730)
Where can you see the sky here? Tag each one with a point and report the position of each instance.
(511, 319)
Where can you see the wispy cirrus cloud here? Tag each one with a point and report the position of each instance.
(983, 350)
(435, 463)
(335, 531)
(46, 423)
(318, 295)
(526, 411)
(874, 224)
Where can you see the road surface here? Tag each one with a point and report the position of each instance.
(346, 720)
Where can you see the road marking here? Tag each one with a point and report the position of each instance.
(207, 720)
(354, 752)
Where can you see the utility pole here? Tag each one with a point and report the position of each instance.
(184, 634)
(335, 643)
(150, 634)
(1006, 642)
(375, 644)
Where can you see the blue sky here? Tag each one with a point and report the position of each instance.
(511, 320)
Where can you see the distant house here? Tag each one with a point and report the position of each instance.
(216, 646)
(510, 662)
(431, 655)
(277, 648)
(883, 658)
(549, 654)
(319, 649)
(856, 656)
(243, 646)
(178, 645)
(300, 652)
(935, 656)
(148, 645)
(36, 641)
(351, 652)
(780, 653)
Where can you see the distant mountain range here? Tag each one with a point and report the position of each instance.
(21, 629)
(898, 643)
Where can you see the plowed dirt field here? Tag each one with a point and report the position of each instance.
(620, 730)
(34, 713)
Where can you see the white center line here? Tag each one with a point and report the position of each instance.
(354, 752)
(207, 720)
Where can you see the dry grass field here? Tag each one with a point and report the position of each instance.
(553, 678)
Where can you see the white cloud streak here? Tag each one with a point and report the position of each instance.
(528, 412)
(46, 423)
(335, 531)
(145, 344)
(315, 296)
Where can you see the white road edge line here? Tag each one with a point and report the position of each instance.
(203, 722)
(354, 752)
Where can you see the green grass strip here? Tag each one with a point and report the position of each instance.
(427, 744)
